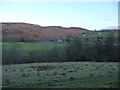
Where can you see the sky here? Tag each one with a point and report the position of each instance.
(89, 15)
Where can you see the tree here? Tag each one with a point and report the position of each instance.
(73, 50)
(9, 38)
(14, 54)
(24, 38)
(110, 48)
(100, 50)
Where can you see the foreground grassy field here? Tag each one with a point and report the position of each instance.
(61, 75)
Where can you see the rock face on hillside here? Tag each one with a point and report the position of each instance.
(32, 32)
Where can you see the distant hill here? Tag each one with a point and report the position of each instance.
(114, 27)
(32, 32)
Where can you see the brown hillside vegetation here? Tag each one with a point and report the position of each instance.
(40, 33)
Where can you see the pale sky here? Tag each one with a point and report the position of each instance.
(89, 15)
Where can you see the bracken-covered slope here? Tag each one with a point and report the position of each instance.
(33, 32)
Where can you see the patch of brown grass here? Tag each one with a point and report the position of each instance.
(42, 68)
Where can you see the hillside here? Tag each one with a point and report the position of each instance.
(32, 32)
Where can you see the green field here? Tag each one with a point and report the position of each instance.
(33, 46)
(100, 34)
(61, 75)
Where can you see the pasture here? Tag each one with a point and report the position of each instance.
(100, 34)
(61, 75)
(32, 46)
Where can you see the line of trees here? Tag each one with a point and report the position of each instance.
(10, 38)
(76, 50)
